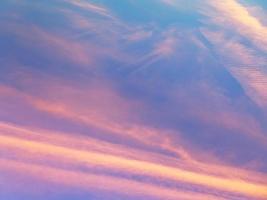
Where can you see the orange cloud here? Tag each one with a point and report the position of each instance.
(240, 20)
(93, 182)
(44, 149)
(89, 111)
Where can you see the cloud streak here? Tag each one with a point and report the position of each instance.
(243, 60)
(76, 113)
(34, 150)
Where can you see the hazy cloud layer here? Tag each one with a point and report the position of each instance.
(156, 99)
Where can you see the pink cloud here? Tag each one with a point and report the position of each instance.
(40, 148)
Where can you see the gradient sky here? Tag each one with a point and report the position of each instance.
(133, 99)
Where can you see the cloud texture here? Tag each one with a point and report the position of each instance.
(156, 99)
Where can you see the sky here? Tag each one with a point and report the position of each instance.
(133, 99)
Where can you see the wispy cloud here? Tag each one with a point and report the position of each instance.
(34, 150)
(255, 81)
(48, 44)
(73, 115)
(241, 20)
(236, 24)
(92, 182)
(87, 6)
(139, 35)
